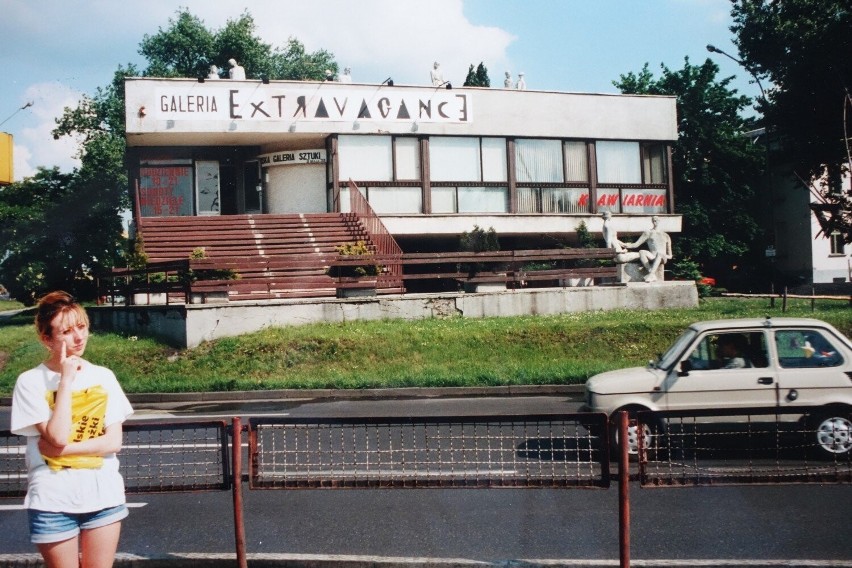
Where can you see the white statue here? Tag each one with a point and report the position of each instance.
(522, 84)
(659, 249)
(236, 72)
(347, 75)
(436, 75)
(507, 82)
(610, 236)
(214, 72)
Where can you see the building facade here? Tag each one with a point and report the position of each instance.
(433, 162)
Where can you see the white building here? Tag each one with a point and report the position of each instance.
(432, 162)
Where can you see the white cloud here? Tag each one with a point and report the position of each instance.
(34, 144)
(379, 38)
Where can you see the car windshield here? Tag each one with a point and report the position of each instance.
(670, 357)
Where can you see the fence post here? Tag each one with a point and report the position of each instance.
(623, 492)
(237, 463)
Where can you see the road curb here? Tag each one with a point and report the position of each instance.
(208, 560)
(359, 394)
(347, 394)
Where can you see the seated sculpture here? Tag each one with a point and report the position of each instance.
(659, 249)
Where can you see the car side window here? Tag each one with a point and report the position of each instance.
(805, 348)
(735, 350)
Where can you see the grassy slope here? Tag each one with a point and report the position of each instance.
(561, 349)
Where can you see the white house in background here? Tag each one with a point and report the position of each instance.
(831, 258)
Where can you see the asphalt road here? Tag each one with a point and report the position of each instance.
(707, 526)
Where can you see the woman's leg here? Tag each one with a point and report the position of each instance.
(60, 554)
(98, 546)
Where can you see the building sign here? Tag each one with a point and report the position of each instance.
(165, 189)
(309, 103)
(296, 158)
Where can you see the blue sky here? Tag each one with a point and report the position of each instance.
(54, 51)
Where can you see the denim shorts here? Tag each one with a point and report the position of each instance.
(46, 526)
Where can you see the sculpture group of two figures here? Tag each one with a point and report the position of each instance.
(635, 263)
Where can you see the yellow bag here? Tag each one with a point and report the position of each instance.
(88, 409)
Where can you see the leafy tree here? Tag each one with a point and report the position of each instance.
(478, 78)
(182, 50)
(803, 47)
(186, 48)
(716, 168)
(58, 230)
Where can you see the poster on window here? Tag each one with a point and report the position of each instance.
(207, 186)
(165, 190)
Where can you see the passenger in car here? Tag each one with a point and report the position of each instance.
(730, 350)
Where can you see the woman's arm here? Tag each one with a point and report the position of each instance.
(109, 443)
(57, 429)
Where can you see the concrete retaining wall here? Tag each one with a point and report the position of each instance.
(190, 325)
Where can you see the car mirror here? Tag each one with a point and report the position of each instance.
(685, 368)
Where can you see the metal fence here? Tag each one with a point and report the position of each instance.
(546, 450)
(742, 446)
(483, 451)
(161, 457)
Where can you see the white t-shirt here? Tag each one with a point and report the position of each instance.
(69, 489)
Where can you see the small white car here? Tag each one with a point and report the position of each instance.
(742, 363)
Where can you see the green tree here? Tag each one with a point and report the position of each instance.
(716, 168)
(186, 48)
(803, 47)
(478, 78)
(58, 229)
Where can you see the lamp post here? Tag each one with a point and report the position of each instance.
(771, 249)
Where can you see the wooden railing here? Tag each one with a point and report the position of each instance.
(386, 245)
(277, 278)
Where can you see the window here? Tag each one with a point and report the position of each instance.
(654, 163)
(395, 199)
(805, 349)
(576, 161)
(618, 162)
(743, 350)
(482, 199)
(365, 158)
(166, 188)
(454, 159)
(836, 241)
(407, 156)
(632, 176)
(538, 161)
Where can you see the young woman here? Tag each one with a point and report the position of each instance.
(71, 412)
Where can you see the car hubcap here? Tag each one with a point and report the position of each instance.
(835, 435)
(633, 437)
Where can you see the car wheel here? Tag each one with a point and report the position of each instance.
(633, 434)
(832, 431)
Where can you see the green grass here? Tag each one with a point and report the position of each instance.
(564, 349)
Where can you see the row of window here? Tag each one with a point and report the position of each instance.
(471, 175)
(482, 160)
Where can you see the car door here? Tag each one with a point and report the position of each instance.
(812, 367)
(712, 379)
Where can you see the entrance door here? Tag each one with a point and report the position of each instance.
(252, 188)
(228, 189)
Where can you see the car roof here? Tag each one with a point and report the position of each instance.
(745, 323)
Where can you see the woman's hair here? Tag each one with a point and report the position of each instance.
(55, 303)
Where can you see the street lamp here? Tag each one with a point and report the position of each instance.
(771, 250)
(713, 49)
